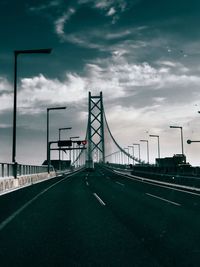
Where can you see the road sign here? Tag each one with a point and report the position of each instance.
(65, 143)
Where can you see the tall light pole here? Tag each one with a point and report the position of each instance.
(48, 148)
(147, 149)
(138, 149)
(62, 129)
(181, 128)
(157, 136)
(133, 152)
(16, 53)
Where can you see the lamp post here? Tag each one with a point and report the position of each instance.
(181, 128)
(16, 53)
(62, 129)
(48, 149)
(138, 149)
(147, 149)
(157, 136)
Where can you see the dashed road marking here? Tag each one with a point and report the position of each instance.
(99, 199)
(163, 199)
(119, 183)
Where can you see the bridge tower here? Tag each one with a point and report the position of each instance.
(96, 147)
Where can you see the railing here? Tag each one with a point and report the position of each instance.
(7, 169)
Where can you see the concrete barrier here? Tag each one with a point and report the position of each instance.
(10, 184)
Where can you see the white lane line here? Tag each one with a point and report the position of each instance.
(99, 199)
(162, 184)
(171, 188)
(166, 200)
(119, 183)
(87, 183)
(17, 212)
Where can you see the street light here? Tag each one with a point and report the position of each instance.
(192, 141)
(48, 149)
(157, 136)
(181, 128)
(16, 53)
(62, 129)
(147, 149)
(138, 149)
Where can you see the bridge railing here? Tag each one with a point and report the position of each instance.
(7, 169)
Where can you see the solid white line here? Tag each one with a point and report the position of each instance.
(119, 183)
(99, 199)
(166, 200)
(17, 212)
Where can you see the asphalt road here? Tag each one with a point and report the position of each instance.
(99, 219)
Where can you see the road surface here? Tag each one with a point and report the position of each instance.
(99, 218)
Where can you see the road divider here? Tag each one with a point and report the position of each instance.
(8, 185)
(176, 187)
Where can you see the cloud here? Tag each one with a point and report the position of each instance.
(111, 11)
(117, 78)
(5, 86)
(60, 22)
(106, 40)
(137, 96)
(43, 7)
(6, 99)
(40, 91)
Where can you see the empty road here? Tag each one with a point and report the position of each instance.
(99, 218)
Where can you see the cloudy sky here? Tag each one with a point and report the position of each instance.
(143, 55)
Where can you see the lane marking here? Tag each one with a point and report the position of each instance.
(161, 184)
(87, 183)
(164, 199)
(119, 183)
(99, 199)
(17, 212)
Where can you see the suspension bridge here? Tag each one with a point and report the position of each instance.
(102, 207)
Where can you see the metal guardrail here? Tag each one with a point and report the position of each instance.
(7, 169)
